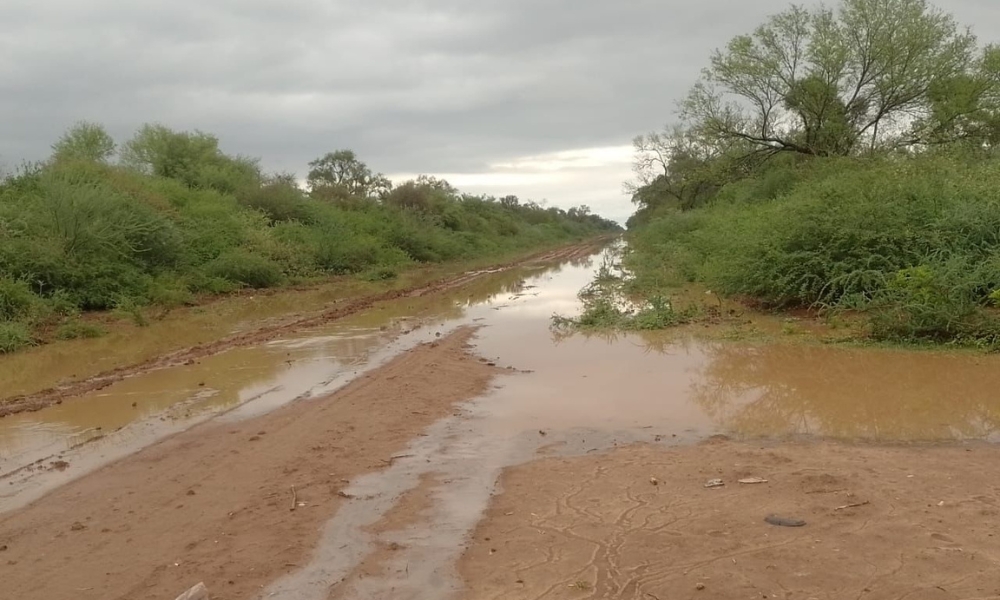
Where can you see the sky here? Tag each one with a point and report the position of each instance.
(538, 98)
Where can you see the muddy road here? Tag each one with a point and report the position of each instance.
(445, 443)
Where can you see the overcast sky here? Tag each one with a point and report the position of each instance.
(534, 97)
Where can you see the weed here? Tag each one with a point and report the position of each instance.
(76, 329)
(14, 336)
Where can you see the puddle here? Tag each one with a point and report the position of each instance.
(104, 425)
(585, 395)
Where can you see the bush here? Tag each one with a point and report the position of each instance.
(915, 243)
(179, 217)
(14, 336)
(246, 269)
(77, 329)
(16, 300)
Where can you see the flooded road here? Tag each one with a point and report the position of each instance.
(672, 385)
(563, 396)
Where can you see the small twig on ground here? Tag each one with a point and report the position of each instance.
(391, 459)
(854, 505)
(295, 499)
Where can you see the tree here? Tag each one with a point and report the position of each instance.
(342, 171)
(434, 183)
(191, 157)
(823, 82)
(679, 167)
(84, 141)
(510, 201)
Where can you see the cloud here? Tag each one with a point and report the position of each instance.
(477, 91)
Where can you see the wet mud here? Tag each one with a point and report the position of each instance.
(523, 463)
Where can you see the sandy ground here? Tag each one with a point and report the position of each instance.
(213, 504)
(597, 527)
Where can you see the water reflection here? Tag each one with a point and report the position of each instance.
(883, 395)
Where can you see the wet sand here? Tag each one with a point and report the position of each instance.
(475, 454)
(214, 503)
(596, 527)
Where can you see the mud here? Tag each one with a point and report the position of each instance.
(513, 462)
(214, 503)
(881, 523)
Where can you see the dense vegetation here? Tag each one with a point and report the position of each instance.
(844, 159)
(167, 217)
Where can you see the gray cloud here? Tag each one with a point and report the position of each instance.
(446, 86)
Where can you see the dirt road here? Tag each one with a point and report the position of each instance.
(495, 460)
(34, 401)
(214, 503)
(881, 523)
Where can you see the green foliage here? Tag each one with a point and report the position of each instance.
(838, 158)
(16, 300)
(608, 305)
(342, 171)
(193, 158)
(246, 269)
(84, 141)
(77, 329)
(14, 336)
(180, 218)
(828, 82)
(279, 201)
(914, 243)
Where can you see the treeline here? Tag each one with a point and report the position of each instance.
(167, 216)
(843, 158)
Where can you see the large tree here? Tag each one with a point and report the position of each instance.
(341, 172)
(835, 82)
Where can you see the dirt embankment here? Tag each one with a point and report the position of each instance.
(214, 503)
(881, 523)
(39, 400)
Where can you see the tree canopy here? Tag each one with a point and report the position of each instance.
(833, 82)
(84, 141)
(341, 172)
(865, 77)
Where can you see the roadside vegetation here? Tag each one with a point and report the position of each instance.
(167, 218)
(842, 159)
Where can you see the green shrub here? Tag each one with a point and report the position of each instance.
(914, 243)
(179, 217)
(14, 336)
(77, 329)
(280, 202)
(246, 269)
(16, 299)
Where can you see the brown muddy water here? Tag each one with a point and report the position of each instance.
(569, 395)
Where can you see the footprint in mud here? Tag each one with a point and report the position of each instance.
(943, 538)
